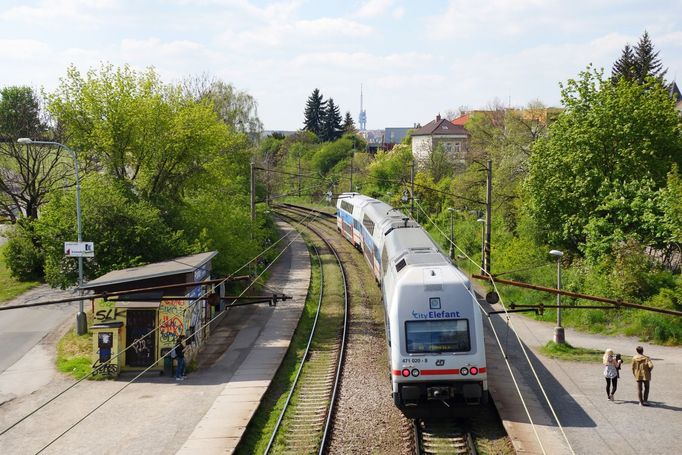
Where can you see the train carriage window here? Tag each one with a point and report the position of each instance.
(445, 335)
(369, 224)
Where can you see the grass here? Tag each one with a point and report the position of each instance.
(10, 287)
(568, 352)
(74, 354)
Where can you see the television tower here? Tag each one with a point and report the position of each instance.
(362, 118)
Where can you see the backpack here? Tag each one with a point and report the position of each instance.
(173, 354)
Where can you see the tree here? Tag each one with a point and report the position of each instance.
(331, 124)
(647, 61)
(606, 159)
(28, 173)
(314, 113)
(639, 63)
(625, 65)
(145, 134)
(348, 124)
(127, 231)
(236, 108)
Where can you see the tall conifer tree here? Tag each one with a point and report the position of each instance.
(636, 64)
(314, 113)
(348, 124)
(331, 126)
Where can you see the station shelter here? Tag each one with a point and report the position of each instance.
(148, 322)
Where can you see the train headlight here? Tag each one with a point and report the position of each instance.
(464, 371)
(473, 371)
(405, 372)
(415, 372)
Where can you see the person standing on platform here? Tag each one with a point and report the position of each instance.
(180, 357)
(610, 373)
(641, 370)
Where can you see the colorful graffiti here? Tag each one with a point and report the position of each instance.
(170, 327)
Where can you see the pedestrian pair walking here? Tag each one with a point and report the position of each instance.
(641, 370)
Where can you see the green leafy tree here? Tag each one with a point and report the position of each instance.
(145, 134)
(607, 156)
(28, 173)
(314, 113)
(236, 108)
(127, 231)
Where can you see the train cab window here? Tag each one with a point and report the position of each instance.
(445, 335)
(384, 260)
(400, 265)
(347, 206)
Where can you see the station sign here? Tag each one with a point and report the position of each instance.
(79, 249)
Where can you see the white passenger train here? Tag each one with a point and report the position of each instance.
(434, 327)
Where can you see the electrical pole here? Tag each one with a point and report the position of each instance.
(299, 173)
(253, 194)
(412, 195)
(488, 213)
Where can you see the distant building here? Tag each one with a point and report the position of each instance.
(374, 139)
(394, 136)
(440, 131)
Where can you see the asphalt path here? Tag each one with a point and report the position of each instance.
(22, 330)
(576, 391)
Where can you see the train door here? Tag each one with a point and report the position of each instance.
(140, 335)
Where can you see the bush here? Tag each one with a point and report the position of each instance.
(23, 255)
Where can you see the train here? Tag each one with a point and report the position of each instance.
(434, 327)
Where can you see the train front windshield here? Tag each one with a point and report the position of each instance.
(445, 335)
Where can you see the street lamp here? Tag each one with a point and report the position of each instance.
(482, 221)
(81, 321)
(452, 234)
(559, 337)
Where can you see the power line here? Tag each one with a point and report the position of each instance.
(523, 349)
(88, 414)
(119, 353)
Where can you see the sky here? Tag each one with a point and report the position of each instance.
(414, 59)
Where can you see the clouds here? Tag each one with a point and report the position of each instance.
(414, 58)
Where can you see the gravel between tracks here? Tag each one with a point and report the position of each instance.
(366, 419)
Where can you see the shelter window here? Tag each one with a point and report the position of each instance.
(445, 335)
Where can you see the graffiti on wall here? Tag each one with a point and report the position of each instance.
(105, 310)
(170, 327)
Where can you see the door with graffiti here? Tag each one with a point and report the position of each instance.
(140, 336)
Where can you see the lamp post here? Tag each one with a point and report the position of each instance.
(559, 337)
(452, 234)
(483, 223)
(81, 321)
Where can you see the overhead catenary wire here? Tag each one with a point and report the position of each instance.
(511, 325)
(119, 353)
(162, 357)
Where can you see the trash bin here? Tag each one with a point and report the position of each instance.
(167, 363)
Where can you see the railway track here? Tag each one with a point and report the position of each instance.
(442, 436)
(309, 408)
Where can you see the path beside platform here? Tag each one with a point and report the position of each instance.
(576, 390)
(253, 359)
